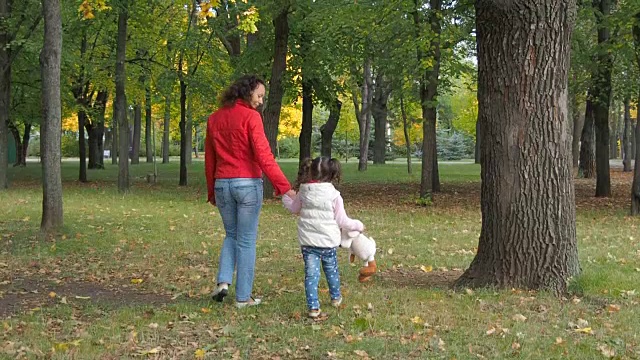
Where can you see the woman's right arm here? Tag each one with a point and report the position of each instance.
(264, 156)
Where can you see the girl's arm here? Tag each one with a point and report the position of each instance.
(292, 204)
(345, 222)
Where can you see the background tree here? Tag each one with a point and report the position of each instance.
(52, 216)
(525, 240)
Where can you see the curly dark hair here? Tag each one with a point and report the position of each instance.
(320, 169)
(240, 89)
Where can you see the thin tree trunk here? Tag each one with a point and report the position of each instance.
(601, 90)
(328, 129)
(17, 139)
(626, 137)
(405, 129)
(114, 138)
(5, 93)
(307, 120)
(82, 146)
(100, 106)
(276, 88)
(587, 164)
(614, 114)
(364, 115)
(147, 128)
(50, 137)
(121, 100)
(137, 129)
(379, 111)
(189, 130)
(26, 136)
(528, 235)
(165, 129)
(635, 186)
(183, 131)
(578, 124)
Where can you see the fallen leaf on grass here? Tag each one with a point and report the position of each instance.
(361, 353)
(136, 281)
(52, 294)
(426, 268)
(83, 297)
(519, 318)
(199, 354)
(607, 351)
(586, 330)
(155, 350)
(613, 308)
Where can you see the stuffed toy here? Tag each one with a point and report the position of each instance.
(364, 248)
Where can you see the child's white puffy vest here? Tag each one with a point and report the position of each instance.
(317, 225)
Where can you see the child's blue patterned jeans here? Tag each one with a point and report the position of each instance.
(313, 256)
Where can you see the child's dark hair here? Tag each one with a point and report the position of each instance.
(240, 89)
(321, 169)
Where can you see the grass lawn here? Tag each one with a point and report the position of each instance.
(129, 276)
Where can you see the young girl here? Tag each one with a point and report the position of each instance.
(322, 216)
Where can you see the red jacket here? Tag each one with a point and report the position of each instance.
(237, 147)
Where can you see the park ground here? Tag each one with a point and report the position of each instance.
(129, 276)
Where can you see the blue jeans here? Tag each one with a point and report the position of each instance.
(239, 202)
(313, 256)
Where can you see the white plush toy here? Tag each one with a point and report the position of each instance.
(364, 248)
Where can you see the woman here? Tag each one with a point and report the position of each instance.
(236, 154)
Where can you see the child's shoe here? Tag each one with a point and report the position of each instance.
(220, 292)
(314, 313)
(336, 302)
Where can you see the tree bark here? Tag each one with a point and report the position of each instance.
(276, 89)
(21, 142)
(478, 147)
(137, 129)
(328, 129)
(528, 234)
(405, 129)
(121, 100)
(165, 129)
(147, 129)
(5, 93)
(379, 110)
(626, 137)
(50, 137)
(587, 164)
(307, 119)
(95, 130)
(614, 115)
(114, 138)
(601, 90)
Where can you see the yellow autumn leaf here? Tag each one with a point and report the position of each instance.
(586, 330)
(417, 320)
(426, 268)
(199, 354)
(136, 281)
(52, 294)
(61, 347)
(205, 310)
(155, 350)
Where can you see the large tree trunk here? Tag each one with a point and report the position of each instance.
(328, 128)
(587, 164)
(307, 119)
(95, 130)
(626, 137)
(147, 128)
(121, 100)
(165, 129)
(51, 118)
(601, 90)
(528, 235)
(183, 133)
(405, 129)
(379, 111)
(82, 146)
(137, 130)
(21, 143)
(5, 93)
(276, 89)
